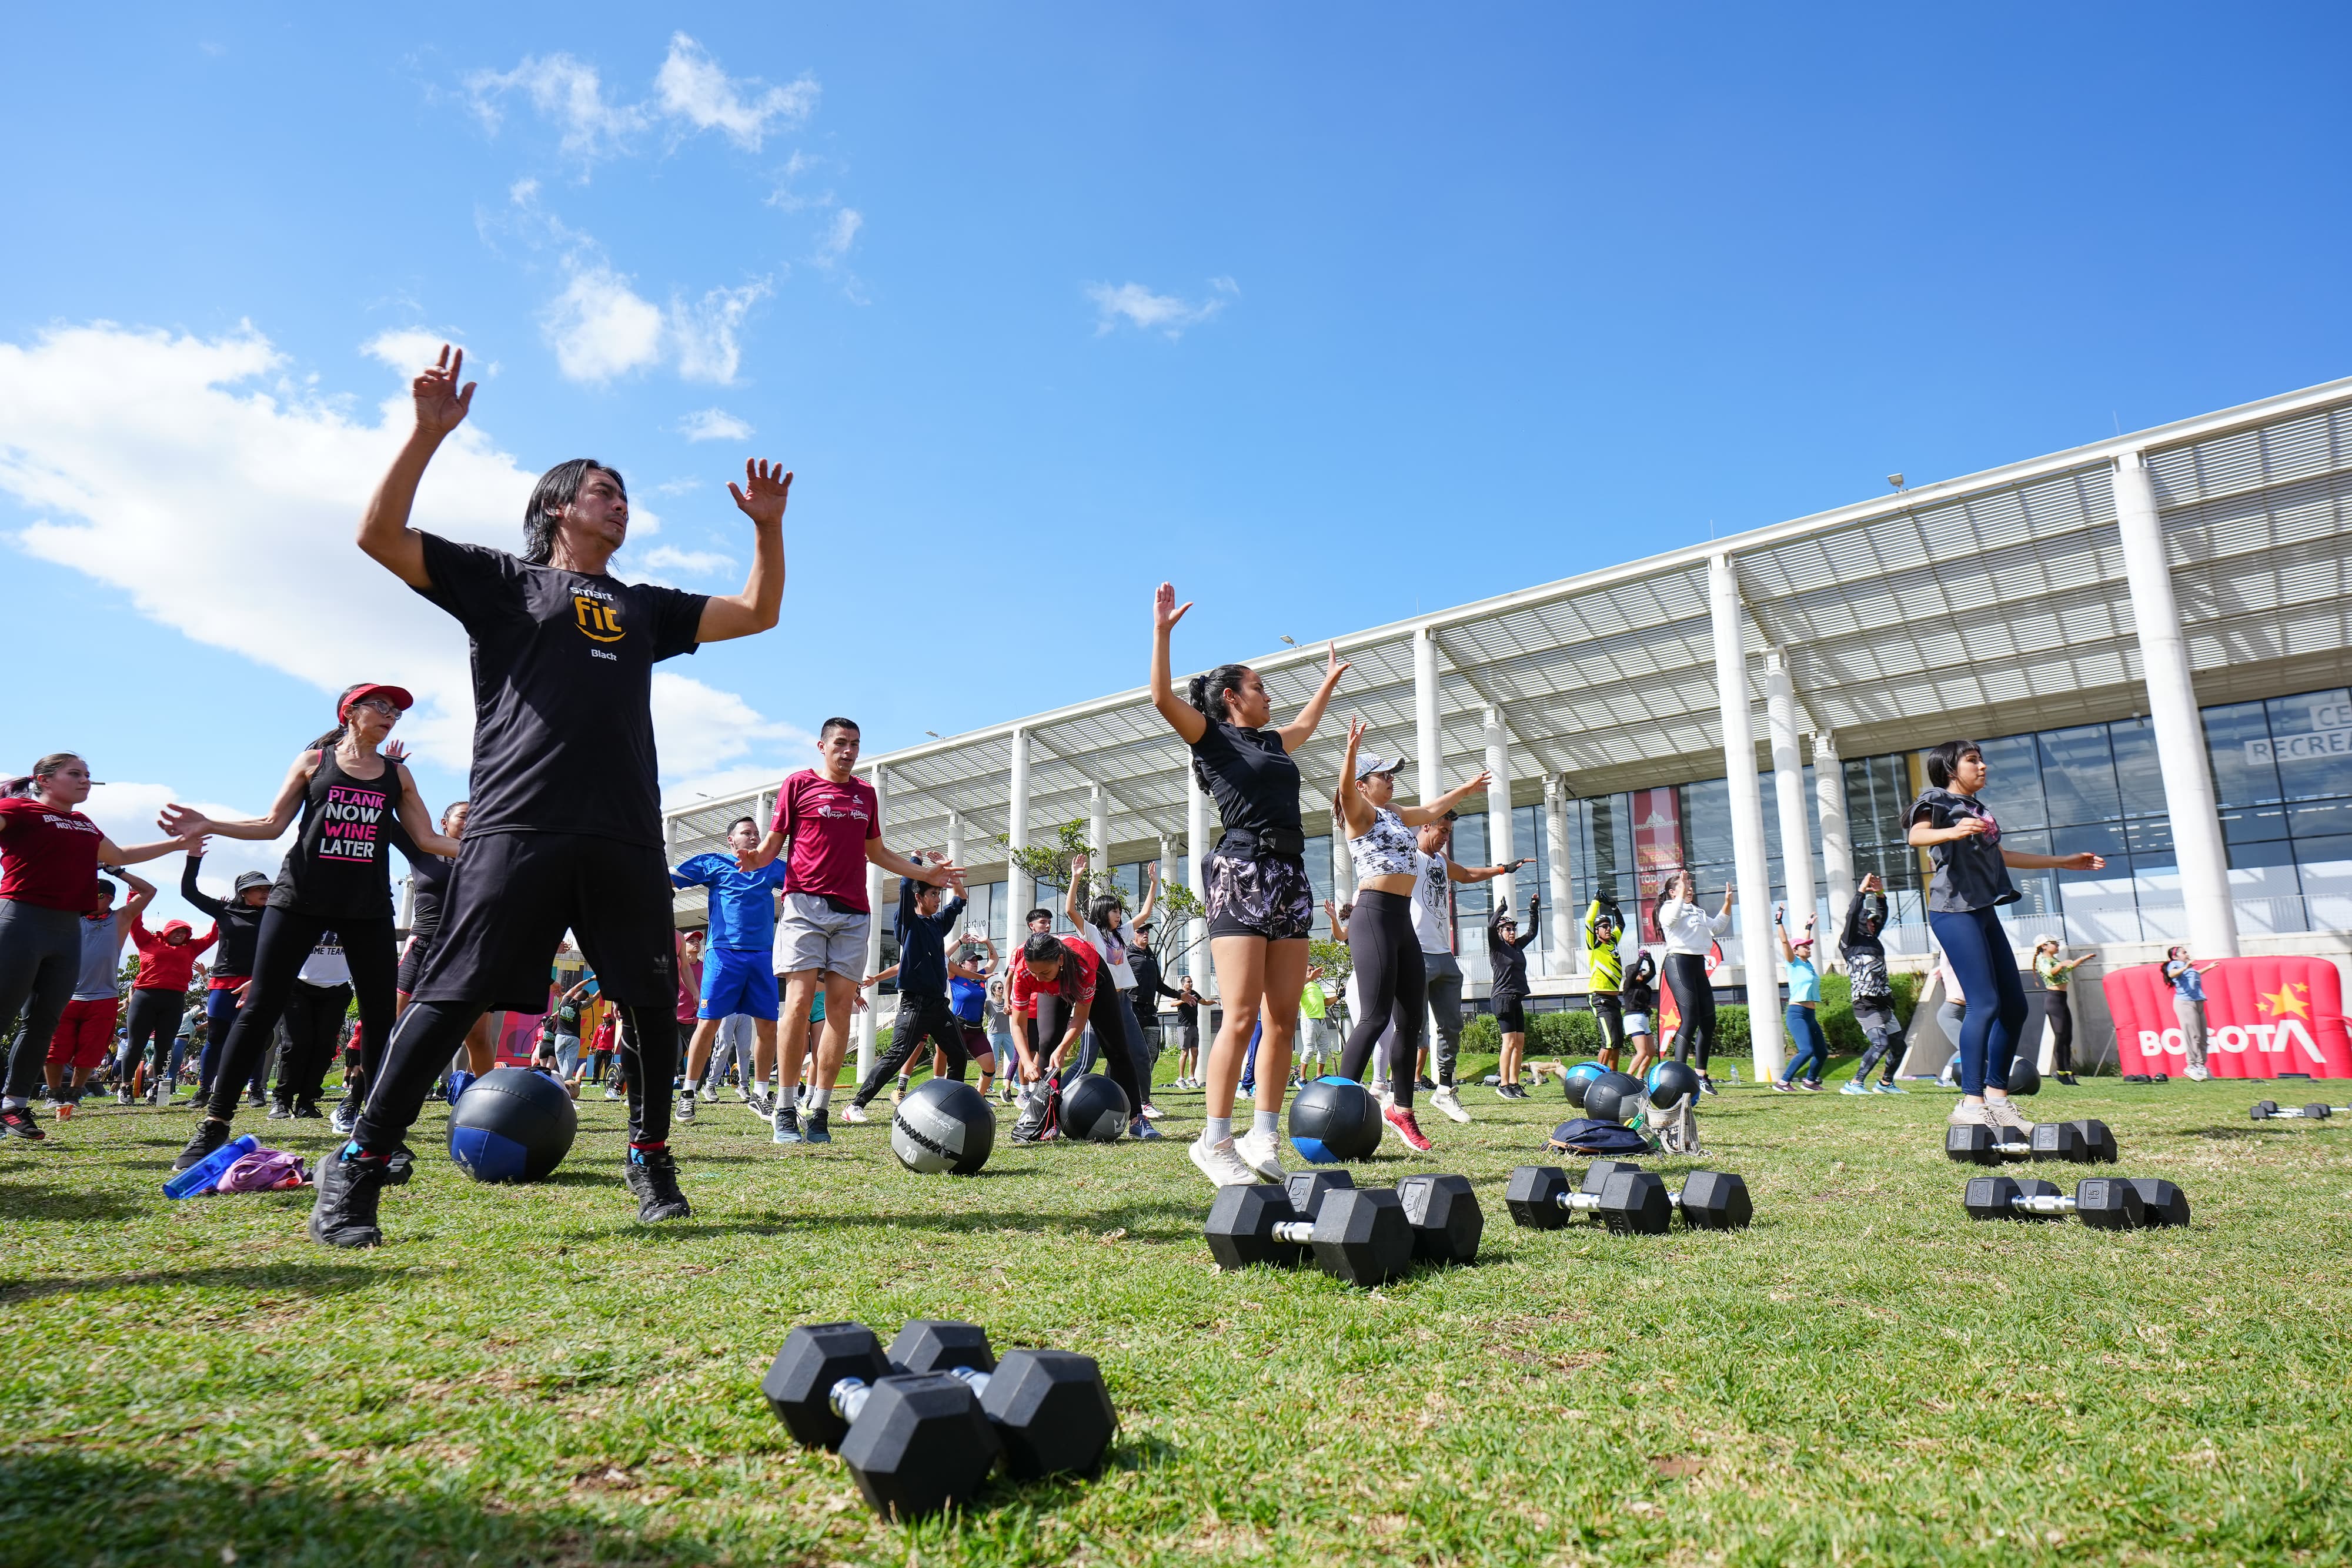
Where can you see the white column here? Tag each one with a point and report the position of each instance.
(1837, 839)
(1498, 806)
(1751, 870)
(955, 857)
(1098, 833)
(1196, 848)
(1343, 870)
(1017, 837)
(2172, 713)
(1565, 947)
(1427, 737)
(867, 1020)
(1788, 790)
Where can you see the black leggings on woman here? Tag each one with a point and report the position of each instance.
(1393, 984)
(1111, 1021)
(1695, 999)
(314, 1032)
(285, 941)
(155, 1028)
(2060, 1015)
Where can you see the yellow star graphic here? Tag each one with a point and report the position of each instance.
(2285, 1002)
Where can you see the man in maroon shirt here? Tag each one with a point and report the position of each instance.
(832, 822)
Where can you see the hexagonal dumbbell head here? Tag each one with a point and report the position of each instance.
(2109, 1203)
(1308, 1189)
(1361, 1237)
(2165, 1203)
(1444, 1213)
(1714, 1200)
(941, 1345)
(2264, 1110)
(1992, 1198)
(920, 1443)
(1635, 1203)
(2319, 1111)
(798, 1385)
(1241, 1228)
(1051, 1410)
(1532, 1195)
(1974, 1143)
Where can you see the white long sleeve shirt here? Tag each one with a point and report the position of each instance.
(1689, 929)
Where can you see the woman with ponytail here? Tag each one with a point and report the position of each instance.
(356, 803)
(50, 856)
(1261, 903)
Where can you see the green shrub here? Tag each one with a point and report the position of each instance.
(1570, 1034)
(1481, 1036)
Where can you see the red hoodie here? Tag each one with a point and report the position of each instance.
(163, 965)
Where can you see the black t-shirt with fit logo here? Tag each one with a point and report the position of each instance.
(563, 725)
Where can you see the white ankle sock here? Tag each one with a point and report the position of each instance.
(1217, 1130)
(1267, 1121)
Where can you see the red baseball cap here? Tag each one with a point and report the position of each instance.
(395, 696)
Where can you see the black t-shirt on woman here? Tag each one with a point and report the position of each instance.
(1969, 872)
(564, 661)
(340, 865)
(1251, 777)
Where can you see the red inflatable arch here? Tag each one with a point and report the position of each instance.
(2263, 1017)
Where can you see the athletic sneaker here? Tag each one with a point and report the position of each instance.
(2068, 1080)
(346, 1119)
(761, 1105)
(1143, 1132)
(787, 1124)
(208, 1136)
(1262, 1152)
(122, 1096)
(1220, 1163)
(257, 1099)
(1852, 1086)
(686, 1107)
(1812, 1085)
(344, 1214)
(651, 1175)
(280, 1110)
(1408, 1131)
(615, 1094)
(1707, 1086)
(1888, 1087)
(308, 1110)
(1151, 1111)
(20, 1121)
(2005, 1116)
(1967, 1115)
(1447, 1101)
(854, 1114)
(1424, 1085)
(2195, 1075)
(813, 1130)
(1781, 1086)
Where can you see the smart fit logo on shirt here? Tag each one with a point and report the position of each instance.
(598, 617)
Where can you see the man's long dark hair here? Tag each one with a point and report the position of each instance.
(558, 489)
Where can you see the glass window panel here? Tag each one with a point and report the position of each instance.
(2311, 737)
(2013, 782)
(2078, 775)
(1707, 822)
(2138, 775)
(2323, 821)
(2238, 742)
(2149, 835)
(2263, 852)
(2326, 866)
(2099, 838)
(2244, 824)
(1470, 849)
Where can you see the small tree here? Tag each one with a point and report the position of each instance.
(1048, 863)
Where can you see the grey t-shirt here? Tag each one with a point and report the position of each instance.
(102, 956)
(1970, 873)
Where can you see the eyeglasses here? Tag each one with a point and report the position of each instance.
(380, 705)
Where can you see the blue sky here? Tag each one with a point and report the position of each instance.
(1327, 313)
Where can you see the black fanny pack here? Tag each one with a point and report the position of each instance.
(1250, 845)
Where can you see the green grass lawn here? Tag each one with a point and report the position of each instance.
(528, 1375)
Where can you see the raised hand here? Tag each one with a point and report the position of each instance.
(182, 822)
(1165, 611)
(1077, 865)
(1334, 667)
(395, 751)
(1478, 785)
(1355, 729)
(766, 488)
(441, 405)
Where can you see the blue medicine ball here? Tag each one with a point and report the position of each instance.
(512, 1124)
(1577, 1079)
(1671, 1082)
(1334, 1119)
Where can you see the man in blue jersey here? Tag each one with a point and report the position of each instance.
(737, 976)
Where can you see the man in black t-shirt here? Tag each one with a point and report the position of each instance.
(564, 827)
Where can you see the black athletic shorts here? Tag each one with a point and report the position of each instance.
(412, 965)
(511, 898)
(1510, 1014)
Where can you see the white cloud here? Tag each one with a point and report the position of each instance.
(708, 425)
(408, 350)
(127, 812)
(700, 728)
(680, 487)
(198, 478)
(670, 557)
(1134, 304)
(599, 327)
(569, 92)
(703, 334)
(839, 236)
(692, 88)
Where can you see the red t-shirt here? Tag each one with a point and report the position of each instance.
(164, 965)
(826, 825)
(47, 857)
(1075, 979)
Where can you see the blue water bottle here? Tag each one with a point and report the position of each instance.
(201, 1176)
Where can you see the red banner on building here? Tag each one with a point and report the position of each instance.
(2263, 1017)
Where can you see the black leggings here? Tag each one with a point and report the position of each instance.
(2059, 1013)
(1111, 1021)
(314, 1030)
(921, 1020)
(285, 941)
(1609, 1012)
(1694, 998)
(1393, 985)
(429, 1034)
(154, 1017)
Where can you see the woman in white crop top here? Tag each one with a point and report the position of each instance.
(1689, 934)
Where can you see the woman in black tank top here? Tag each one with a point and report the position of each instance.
(356, 804)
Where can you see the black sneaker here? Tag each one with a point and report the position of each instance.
(349, 1187)
(20, 1121)
(653, 1176)
(280, 1110)
(1423, 1086)
(813, 1129)
(346, 1119)
(308, 1110)
(257, 1101)
(202, 1142)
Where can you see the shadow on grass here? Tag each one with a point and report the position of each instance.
(2226, 1134)
(71, 1507)
(1132, 1218)
(308, 1279)
(32, 1202)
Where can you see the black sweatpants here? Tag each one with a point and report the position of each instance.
(1695, 997)
(1111, 1021)
(1392, 981)
(314, 1033)
(921, 1020)
(278, 951)
(2059, 1013)
(155, 1023)
(1609, 1012)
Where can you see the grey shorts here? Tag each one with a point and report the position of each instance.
(812, 935)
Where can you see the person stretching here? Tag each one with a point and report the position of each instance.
(428, 886)
(736, 975)
(1433, 923)
(1054, 985)
(237, 918)
(86, 1030)
(925, 1014)
(563, 829)
(1605, 969)
(159, 992)
(2055, 974)
(1690, 935)
(1640, 993)
(1872, 988)
(1101, 925)
(50, 856)
(1188, 1026)
(1507, 956)
(1261, 902)
(1970, 882)
(2188, 984)
(1804, 1002)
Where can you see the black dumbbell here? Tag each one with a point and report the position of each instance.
(2076, 1143)
(1362, 1237)
(1628, 1199)
(1441, 1211)
(2103, 1203)
(2268, 1111)
(1049, 1407)
(914, 1443)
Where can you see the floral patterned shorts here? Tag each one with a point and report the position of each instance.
(1268, 896)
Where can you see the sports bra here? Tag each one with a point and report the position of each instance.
(1387, 850)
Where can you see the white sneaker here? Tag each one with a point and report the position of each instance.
(1219, 1164)
(1262, 1152)
(1447, 1101)
(1967, 1115)
(2195, 1075)
(2004, 1115)
(1151, 1111)
(854, 1116)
